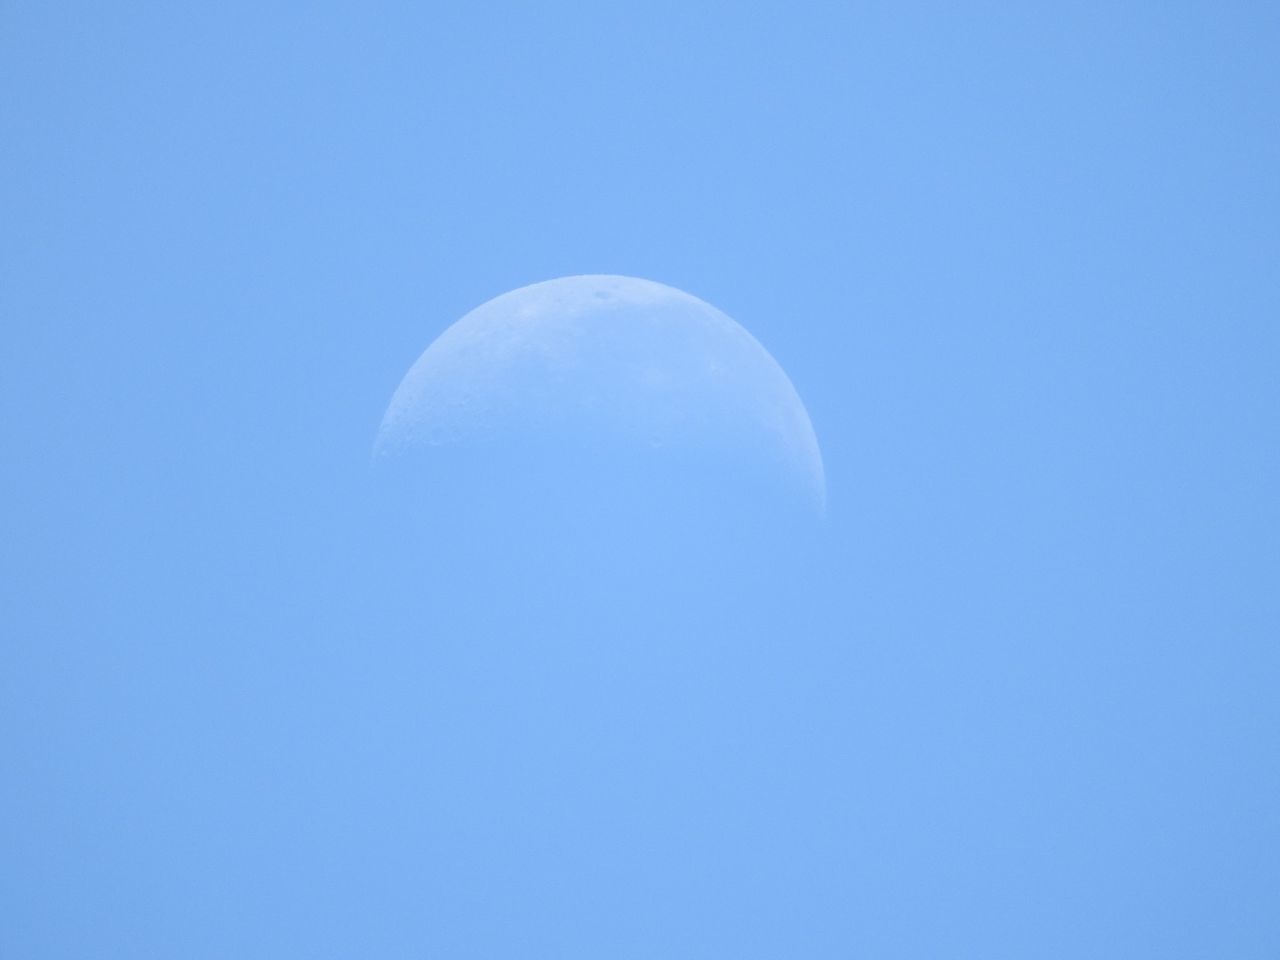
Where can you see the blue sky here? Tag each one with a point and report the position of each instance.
(1019, 262)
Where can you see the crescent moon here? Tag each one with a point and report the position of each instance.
(604, 356)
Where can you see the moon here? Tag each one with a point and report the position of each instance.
(604, 363)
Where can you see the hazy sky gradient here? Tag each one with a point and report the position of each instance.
(1019, 262)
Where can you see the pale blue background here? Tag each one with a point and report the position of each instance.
(1020, 261)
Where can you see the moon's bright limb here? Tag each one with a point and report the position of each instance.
(605, 357)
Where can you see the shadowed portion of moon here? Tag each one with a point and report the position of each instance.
(592, 376)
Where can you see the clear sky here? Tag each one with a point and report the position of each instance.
(1022, 700)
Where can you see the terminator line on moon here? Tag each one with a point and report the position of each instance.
(617, 356)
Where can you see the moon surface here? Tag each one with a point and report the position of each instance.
(604, 363)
